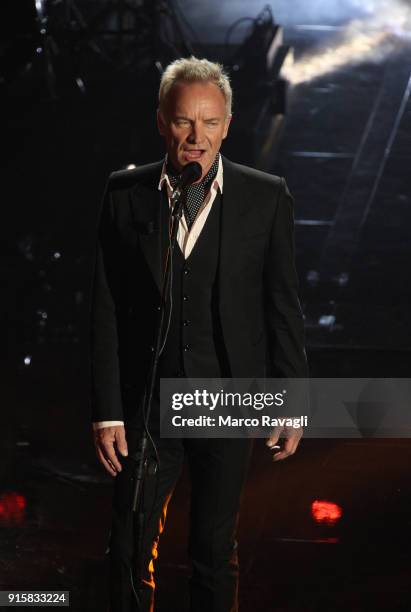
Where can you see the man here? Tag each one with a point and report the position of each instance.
(235, 313)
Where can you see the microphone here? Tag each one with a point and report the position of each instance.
(190, 174)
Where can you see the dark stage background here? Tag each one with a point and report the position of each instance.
(329, 529)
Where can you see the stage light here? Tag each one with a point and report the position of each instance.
(12, 508)
(326, 512)
(370, 39)
(326, 320)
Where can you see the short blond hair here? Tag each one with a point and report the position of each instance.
(193, 69)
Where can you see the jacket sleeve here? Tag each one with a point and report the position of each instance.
(287, 356)
(106, 402)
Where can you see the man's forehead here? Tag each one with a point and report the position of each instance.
(194, 106)
(188, 94)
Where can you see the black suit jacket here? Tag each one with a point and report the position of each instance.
(261, 319)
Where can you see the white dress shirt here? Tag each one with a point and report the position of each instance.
(186, 238)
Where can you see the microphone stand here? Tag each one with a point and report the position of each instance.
(141, 456)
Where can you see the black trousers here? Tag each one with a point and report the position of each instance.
(218, 469)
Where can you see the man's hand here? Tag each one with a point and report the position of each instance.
(292, 438)
(107, 440)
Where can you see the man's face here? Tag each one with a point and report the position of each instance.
(193, 123)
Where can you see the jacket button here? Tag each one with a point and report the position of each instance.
(186, 271)
(186, 322)
(185, 297)
(186, 347)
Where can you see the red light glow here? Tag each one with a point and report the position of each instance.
(326, 512)
(12, 508)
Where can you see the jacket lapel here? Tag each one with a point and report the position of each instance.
(235, 204)
(148, 216)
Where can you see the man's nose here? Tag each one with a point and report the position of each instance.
(196, 135)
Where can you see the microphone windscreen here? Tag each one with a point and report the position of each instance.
(191, 173)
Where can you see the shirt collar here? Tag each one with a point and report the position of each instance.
(217, 183)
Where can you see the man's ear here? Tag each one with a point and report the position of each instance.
(160, 123)
(227, 125)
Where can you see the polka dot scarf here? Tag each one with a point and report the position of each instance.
(194, 195)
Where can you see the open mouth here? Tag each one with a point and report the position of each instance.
(193, 154)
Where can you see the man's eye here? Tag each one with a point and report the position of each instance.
(181, 122)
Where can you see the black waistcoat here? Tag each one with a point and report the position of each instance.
(194, 346)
